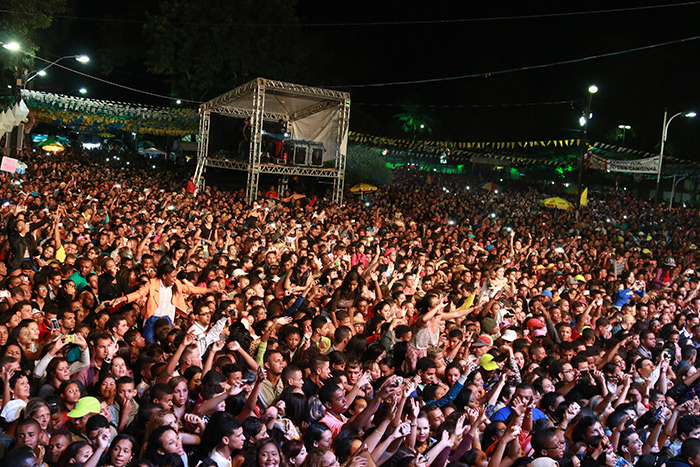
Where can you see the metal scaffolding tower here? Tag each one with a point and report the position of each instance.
(315, 114)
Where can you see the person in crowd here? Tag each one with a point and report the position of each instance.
(145, 324)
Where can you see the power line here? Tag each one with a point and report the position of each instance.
(102, 80)
(513, 70)
(376, 23)
(466, 106)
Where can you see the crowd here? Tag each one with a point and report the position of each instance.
(433, 324)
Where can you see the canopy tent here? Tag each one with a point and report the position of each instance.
(313, 115)
(151, 152)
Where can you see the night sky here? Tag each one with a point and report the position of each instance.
(634, 87)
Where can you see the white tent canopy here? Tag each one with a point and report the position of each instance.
(314, 114)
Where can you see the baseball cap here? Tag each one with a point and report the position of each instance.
(546, 293)
(544, 462)
(12, 410)
(487, 363)
(483, 341)
(580, 278)
(534, 323)
(488, 325)
(85, 406)
(538, 332)
(509, 335)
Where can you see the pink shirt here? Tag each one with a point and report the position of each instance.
(335, 424)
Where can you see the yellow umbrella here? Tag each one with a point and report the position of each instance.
(363, 188)
(53, 147)
(556, 203)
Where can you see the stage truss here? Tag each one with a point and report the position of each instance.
(249, 100)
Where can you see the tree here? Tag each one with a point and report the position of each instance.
(23, 22)
(414, 121)
(208, 47)
(366, 165)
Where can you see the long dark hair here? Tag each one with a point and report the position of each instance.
(155, 444)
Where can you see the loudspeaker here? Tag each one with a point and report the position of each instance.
(300, 155)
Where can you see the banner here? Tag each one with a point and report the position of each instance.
(638, 166)
(9, 164)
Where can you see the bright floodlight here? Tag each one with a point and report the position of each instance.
(41, 73)
(690, 115)
(178, 101)
(593, 89)
(14, 46)
(82, 58)
(624, 127)
(582, 120)
(82, 91)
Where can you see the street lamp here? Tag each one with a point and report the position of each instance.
(82, 91)
(664, 133)
(80, 58)
(624, 129)
(673, 190)
(13, 46)
(592, 89)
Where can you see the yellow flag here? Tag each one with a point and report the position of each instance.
(584, 198)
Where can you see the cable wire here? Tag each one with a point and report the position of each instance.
(513, 70)
(378, 23)
(102, 80)
(475, 106)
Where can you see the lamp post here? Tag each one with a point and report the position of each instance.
(13, 142)
(664, 133)
(583, 121)
(624, 129)
(673, 190)
(42, 72)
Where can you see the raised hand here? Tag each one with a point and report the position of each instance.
(459, 427)
(189, 339)
(402, 430)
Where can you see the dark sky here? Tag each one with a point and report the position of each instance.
(634, 87)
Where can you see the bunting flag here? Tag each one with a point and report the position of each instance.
(13, 116)
(97, 116)
(429, 145)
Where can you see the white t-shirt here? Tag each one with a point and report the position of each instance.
(220, 460)
(165, 303)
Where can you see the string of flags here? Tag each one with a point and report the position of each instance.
(94, 115)
(428, 145)
(12, 116)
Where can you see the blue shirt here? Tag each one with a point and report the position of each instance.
(503, 414)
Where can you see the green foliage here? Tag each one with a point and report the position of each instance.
(366, 165)
(413, 121)
(208, 47)
(23, 22)
(22, 19)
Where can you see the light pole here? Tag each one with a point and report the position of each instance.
(583, 121)
(673, 190)
(13, 142)
(664, 133)
(42, 72)
(624, 129)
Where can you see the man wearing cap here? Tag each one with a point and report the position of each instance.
(537, 328)
(84, 409)
(481, 345)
